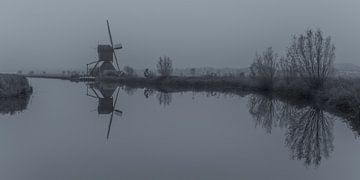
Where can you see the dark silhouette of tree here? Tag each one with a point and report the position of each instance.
(313, 56)
(164, 66)
(309, 136)
(148, 73)
(264, 68)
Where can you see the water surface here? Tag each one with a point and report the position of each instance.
(64, 134)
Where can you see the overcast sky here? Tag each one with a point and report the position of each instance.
(44, 34)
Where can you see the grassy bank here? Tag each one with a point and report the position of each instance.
(12, 85)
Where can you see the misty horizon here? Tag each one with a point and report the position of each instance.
(42, 35)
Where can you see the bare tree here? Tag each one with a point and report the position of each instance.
(264, 67)
(313, 56)
(164, 66)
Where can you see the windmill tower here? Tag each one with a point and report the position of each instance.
(106, 54)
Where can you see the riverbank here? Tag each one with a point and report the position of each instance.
(12, 85)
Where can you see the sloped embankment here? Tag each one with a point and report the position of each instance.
(12, 85)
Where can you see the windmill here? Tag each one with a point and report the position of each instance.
(106, 54)
(106, 103)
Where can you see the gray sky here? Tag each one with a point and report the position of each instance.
(43, 34)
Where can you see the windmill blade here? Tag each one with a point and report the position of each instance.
(108, 26)
(112, 115)
(116, 60)
(118, 112)
(116, 97)
(109, 127)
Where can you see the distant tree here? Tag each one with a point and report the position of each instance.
(129, 71)
(192, 71)
(63, 72)
(19, 71)
(164, 66)
(31, 72)
(44, 72)
(313, 56)
(148, 73)
(264, 68)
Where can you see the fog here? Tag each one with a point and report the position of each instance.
(49, 35)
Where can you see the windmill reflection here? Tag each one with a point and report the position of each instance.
(104, 93)
(308, 129)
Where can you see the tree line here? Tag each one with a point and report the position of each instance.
(309, 58)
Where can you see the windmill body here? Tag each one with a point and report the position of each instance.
(104, 66)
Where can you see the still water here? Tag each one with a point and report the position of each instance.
(62, 133)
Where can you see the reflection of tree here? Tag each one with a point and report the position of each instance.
(14, 104)
(264, 112)
(148, 92)
(309, 130)
(310, 137)
(164, 98)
